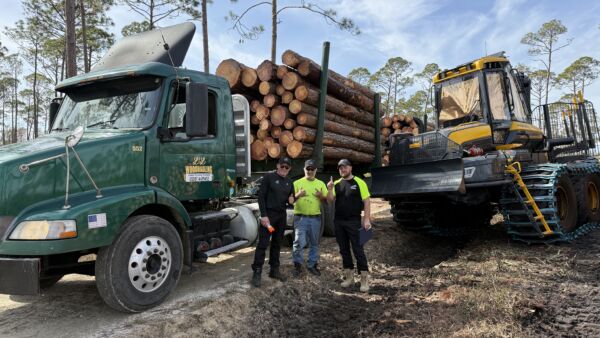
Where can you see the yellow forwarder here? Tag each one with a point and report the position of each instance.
(487, 153)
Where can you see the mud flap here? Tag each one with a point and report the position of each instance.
(422, 178)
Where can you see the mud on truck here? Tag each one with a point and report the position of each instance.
(146, 169)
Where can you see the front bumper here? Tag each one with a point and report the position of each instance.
(20, 276)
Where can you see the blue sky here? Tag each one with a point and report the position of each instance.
(422, 31)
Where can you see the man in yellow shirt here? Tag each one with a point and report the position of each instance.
(309, 193)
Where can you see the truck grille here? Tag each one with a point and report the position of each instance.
(427, 147)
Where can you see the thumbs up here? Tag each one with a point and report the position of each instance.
(330, 183)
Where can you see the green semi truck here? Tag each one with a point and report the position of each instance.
(140, 175)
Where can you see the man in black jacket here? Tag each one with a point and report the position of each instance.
(276, 190)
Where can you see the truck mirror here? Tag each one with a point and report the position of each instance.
(54, 107)
(196, 116)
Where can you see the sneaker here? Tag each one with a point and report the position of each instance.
(275, 274)
(314, 270)
(297, 270)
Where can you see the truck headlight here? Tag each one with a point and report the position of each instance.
(42, 230)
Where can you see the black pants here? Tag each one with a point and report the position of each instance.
(346, 234)
(278, 221)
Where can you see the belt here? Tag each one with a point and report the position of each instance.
(307, 215)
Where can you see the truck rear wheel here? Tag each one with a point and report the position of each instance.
(142, 266)
(587, 190)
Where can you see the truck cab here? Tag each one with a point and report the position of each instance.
(135, 178)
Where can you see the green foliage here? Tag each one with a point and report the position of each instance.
(580, 73)
(360, 75)
(391, 81)
(135, 28)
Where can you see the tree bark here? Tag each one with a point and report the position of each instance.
(205, 36)
(308, 120)
(297, 107)
(86, 61)
(308, 135)
(310, 69)
(70, 38)
(298, 150)
(274, 30)
(267, 71)
(310, 95)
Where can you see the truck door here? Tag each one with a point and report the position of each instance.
(193, 168)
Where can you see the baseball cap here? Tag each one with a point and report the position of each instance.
(343, 162)
(285, 160)
(310, 164)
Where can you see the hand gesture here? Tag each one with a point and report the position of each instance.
(330, 183)
(318, 194)
(301, 193)
(264, 221)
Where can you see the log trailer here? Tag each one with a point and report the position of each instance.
(144, 170)
(491, 151)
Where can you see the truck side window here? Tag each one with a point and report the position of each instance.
(176, 119)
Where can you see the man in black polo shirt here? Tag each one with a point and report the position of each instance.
(351, 197)
(276, 190)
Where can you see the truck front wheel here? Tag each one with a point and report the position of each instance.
(142, 266)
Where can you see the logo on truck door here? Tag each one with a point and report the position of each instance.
(198, 171)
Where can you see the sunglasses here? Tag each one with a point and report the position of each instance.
(285, 167)
(310, 169)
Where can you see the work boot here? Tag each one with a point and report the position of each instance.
(364, 281)
(314, 270)
(348, 278)
(297, 270)
(256, 276)
(275, 274)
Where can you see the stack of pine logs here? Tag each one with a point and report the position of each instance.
(283, 104)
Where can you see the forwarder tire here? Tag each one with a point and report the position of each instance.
(566, 203)
(587, 190)
(142, 266)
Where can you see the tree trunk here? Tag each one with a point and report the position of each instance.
(275, 150)
(265, 125)
(205, 36)
(297, 107)
(274, 30)
(250, 78)
(70, 38)
(35, 96)
(292, 80)
(258, 151)
(86, 61)
(266, 88)
(279, 114)
(275, 132)
(289, 124)
(253, 105)
(298, 150)
(232, 70)
(311, 96)
(285, 138)
(282, 70)
(262, 112)
(271, 100)
(267, 71)
(312, 72)
(304, 119)
(308, 135)
(279, 90)
(287, 97)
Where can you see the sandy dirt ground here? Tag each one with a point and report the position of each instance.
(482, 286)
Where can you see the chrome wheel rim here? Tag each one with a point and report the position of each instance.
(149, 264)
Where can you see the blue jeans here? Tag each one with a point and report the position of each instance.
(307, 229)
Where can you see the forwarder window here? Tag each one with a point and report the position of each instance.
(176, 120)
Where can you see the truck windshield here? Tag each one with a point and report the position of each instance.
(118, 104)
(459, 98)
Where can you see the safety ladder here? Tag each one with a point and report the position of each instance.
(535, 216)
